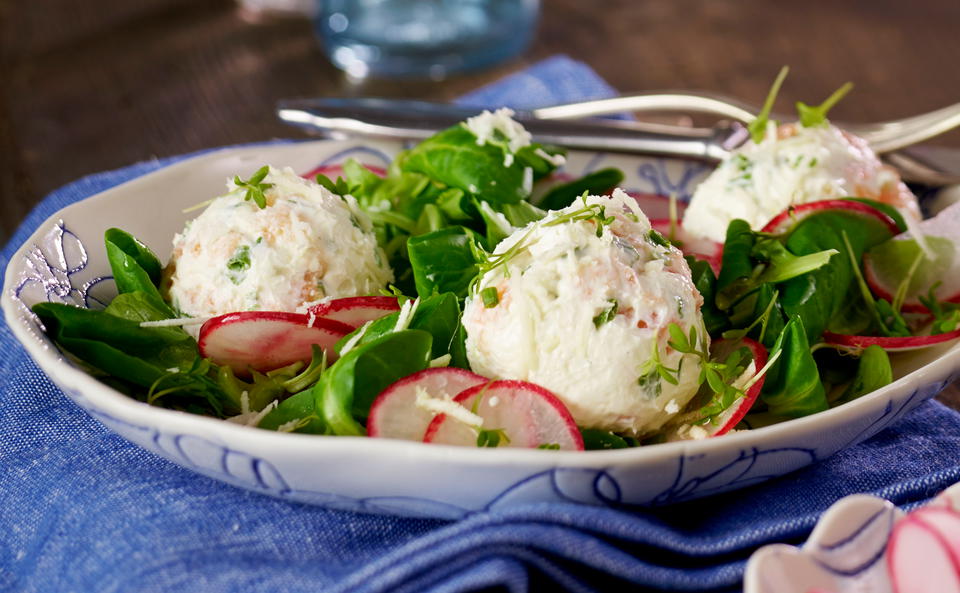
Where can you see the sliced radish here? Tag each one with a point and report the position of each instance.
(698, 247)
(395, 413)
(735, 413)
(893, 344)
(729, 418)
(266, 340)
(355, 311)
(886, 265)
(792, 216)
(924, 552)
(529, 416)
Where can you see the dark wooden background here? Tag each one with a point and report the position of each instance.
(90, 85)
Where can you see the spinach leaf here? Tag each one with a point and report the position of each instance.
(155, 358)
(706, 283)
(873, 372)
(792, 386)
(444, 260)
(594, 439)
(134, 267)
(597, 182)
(439, 315)
(736, 269)
(454, 158)
(300, 408)
(347, 389)
(139, 252)
(819, 296)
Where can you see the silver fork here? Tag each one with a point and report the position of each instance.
(883, 137)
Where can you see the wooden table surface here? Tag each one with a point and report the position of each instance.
(88, 89)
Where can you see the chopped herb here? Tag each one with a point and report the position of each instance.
(607, 314)
(238, 264)
(255, 187)
(758, 127)
(492, 437)
(549, 446)
(339, 187)
(490, 297)
(657, 239)
(816, 116)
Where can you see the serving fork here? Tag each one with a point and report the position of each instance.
(564, 125)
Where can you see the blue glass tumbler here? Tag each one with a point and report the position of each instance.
(423, 38)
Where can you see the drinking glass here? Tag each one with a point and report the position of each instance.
(423, 38)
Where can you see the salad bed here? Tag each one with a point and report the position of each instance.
(439, 213)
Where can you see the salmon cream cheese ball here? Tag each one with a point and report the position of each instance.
(793, 164)
(275, 242)
(580, 303)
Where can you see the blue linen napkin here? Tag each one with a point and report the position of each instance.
(83, 510)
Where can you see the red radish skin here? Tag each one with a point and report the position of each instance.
(923, 555)
(395, 415)
(528, 414)
(698, 247)
(893, 344)
(355, 311)
(266, 340)
(729, 418)
(735, 414)
(793, 215)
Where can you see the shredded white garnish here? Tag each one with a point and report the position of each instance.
(348, 346)
(311, 318)
(487, 124)
(444, 405)
(173, 370)
(244, 402)
(290, 426)
(181, 321)
(672, 407)
(556, 160)
(406, 314)
(440, 361)
(762, 371)
(527, 183)
(252, 418)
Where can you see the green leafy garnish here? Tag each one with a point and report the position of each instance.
(493, 437)
(490, 297)
(238, 264)
(607, 314)
(254, 186)
(758, 127)
(549, 446)
(817, 115)
(946, 316)
(339, 187)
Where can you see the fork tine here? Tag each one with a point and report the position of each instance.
(894, 135)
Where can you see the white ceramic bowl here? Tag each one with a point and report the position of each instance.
(64, 261)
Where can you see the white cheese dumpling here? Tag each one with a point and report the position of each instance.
(586, 315)
(307, 244)
(793, 165)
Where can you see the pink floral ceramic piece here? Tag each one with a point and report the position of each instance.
(865, 544)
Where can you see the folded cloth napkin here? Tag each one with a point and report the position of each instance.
(83, 510)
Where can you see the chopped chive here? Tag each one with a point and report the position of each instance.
(490, 297)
